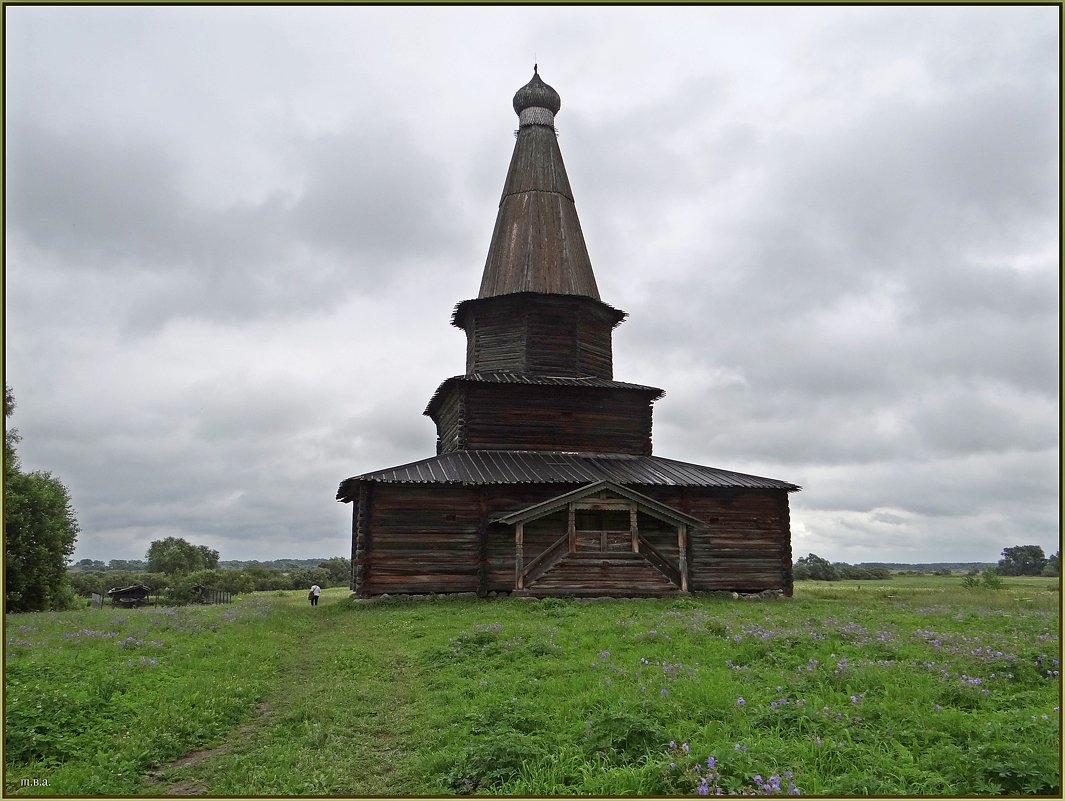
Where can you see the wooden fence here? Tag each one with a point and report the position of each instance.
(209, 596)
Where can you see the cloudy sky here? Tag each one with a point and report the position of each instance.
(235, 235)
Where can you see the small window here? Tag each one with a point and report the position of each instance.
(590, 520)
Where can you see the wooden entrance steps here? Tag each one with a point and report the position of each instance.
(597, 573)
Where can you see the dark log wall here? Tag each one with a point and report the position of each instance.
(413, 538)
(420, 539)
(747, 543)
(496, 343)
(564, 341)
(548, 418)
(595, 346)
(539, 535)
(553, 335)
(661, 535)
(450, 420)
(361, 546)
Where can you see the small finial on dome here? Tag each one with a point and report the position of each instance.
(537, 94)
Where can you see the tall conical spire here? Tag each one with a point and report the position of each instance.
(537, 244)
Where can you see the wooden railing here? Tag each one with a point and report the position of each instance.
(559, 549)
(659, 561)
(542, 563)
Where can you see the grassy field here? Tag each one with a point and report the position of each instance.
(909, 687)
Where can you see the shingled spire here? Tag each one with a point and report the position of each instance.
(537, 245)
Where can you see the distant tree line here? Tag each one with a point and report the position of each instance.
(141, 566)
(272, 564)
(1019, 560)
(176, 569)
(815, 568)
(935, 568)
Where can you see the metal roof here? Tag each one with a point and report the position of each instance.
(555, 467)
(139, 588)
(541, 380)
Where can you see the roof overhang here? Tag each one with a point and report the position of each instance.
(466, 307)
(583, 382)
(493, 467)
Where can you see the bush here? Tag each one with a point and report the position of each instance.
(624, 734)
(266, 578)
(991, 579)
(491, 760)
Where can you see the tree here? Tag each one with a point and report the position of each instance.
(303, 578)
(266, 578)
(816, 568)
(339, 570)
(210, 557)
(11, 436)
(127, 564)
(40, 529)
(1053, 565)
(1022, 560)
(176, 556)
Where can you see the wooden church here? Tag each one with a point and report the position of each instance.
(544, 482)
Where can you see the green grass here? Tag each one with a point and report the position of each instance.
(909, 687)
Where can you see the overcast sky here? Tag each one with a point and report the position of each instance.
(235, 236)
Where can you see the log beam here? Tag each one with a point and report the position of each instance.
(519, 555)
(682, 545)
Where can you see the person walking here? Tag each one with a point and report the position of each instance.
(315, 592)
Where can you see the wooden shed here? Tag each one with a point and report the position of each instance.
(544, 481)
(134, 595)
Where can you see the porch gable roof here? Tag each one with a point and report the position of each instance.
(543, 508)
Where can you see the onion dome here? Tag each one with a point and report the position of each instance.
(536, 94)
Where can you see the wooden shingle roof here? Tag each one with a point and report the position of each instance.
(537, 244)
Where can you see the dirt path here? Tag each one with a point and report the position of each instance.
(193, 786)
(334, 724)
